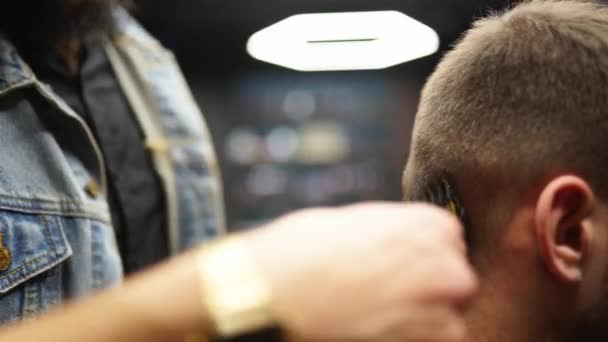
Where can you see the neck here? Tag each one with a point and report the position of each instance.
(503, 312)
(498, 327)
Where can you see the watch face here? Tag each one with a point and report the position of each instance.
(271, 334)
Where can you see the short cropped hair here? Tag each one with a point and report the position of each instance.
(523, 96)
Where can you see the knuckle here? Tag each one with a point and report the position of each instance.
(452, 280)
(450, 225)
(463, 281)
(436, 219)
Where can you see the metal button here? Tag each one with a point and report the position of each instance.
(92, 188)
(5, 255)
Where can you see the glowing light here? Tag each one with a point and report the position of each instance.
(344, 41)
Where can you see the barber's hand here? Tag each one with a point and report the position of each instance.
(370, 272)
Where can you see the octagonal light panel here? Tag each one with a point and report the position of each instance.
(344, 41)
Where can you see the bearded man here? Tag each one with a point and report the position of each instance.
(107, 168)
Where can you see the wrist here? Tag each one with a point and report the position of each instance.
(236, 296)
(182, 310)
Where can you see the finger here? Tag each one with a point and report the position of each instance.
(463, 279)
(452, 280)
(453, 231)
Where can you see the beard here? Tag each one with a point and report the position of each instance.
(37, 27)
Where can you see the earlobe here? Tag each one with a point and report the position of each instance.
(563, 226)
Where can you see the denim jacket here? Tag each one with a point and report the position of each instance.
(56, 237)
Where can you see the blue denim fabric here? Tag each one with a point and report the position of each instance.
(189, 144)
(59, 235)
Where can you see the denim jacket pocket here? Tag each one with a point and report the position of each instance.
(32, 246)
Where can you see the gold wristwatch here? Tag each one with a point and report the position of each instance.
(235, 294)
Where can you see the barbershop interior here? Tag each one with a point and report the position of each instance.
(290, 139)
(303, 170)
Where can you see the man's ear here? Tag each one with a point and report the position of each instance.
(563, 226)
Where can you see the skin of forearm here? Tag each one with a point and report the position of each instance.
(163, 304)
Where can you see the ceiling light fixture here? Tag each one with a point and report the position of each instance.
(344, 41)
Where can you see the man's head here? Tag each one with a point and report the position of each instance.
(515, 120)
(40, 25)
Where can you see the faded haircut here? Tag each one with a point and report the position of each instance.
(522, 97)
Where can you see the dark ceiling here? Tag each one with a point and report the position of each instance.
(214, 32)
